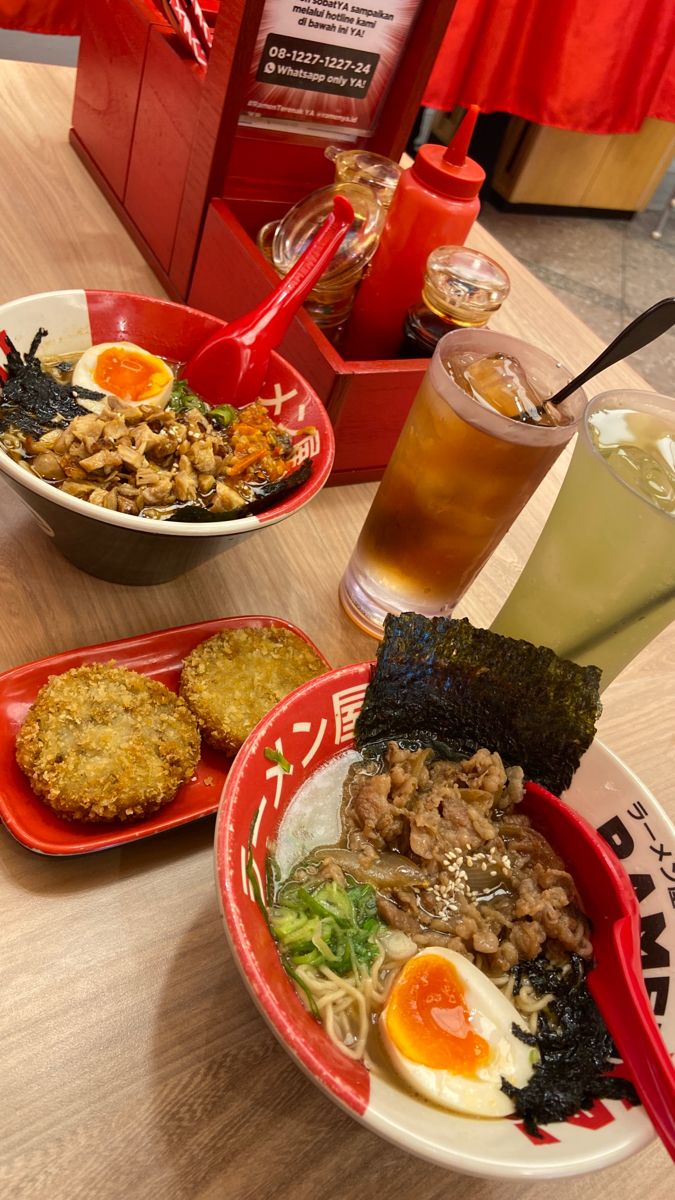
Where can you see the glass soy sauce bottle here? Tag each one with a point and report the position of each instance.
(462, 289)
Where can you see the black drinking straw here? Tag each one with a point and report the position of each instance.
(632, 618)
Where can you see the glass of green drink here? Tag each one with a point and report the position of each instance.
(600, 582)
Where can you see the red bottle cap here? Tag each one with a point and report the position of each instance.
(447, 169)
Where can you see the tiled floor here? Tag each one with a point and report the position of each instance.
(607, 270)
(37, 47)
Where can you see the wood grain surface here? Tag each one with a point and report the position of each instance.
(133, 1062)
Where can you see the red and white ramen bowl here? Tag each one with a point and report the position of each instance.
(139, 550)
(312, 727)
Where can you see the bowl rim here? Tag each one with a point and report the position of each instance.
(147, 525)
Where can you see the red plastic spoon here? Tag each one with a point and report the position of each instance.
(616, 981)
(230, 368)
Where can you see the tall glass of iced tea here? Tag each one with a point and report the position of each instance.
(478, 440)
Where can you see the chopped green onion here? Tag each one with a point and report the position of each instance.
(183, 398)
(277, 757)
(224, 414)
(321, 923)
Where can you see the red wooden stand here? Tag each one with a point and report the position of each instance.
(163, 138)
(367, 401)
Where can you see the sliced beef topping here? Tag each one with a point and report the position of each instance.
(494, 888)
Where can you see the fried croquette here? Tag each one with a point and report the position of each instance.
(101, 743)
(232, 679)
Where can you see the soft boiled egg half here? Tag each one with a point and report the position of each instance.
(123, 370)
(447, 1030)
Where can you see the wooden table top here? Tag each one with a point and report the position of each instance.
(133, 1061)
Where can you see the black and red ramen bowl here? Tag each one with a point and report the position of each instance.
(136, 549)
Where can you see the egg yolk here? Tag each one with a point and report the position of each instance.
(428, 1021)
(128, 375)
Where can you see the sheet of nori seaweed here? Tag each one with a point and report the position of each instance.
(31, 399)
(442, 679)
(574, 1046)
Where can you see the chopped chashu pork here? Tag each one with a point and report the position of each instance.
(135, 460)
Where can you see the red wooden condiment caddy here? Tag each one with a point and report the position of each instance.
(193, 184)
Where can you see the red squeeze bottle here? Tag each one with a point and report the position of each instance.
(435, 204)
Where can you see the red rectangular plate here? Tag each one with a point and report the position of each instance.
(159, 655)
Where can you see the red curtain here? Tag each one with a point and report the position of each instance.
(596, 66)
(43, 16)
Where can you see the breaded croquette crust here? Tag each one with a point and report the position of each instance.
(104, 744)
(231, 680)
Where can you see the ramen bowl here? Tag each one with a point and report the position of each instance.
(313, 727)
(135, 549)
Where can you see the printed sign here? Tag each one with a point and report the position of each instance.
(326, 62)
